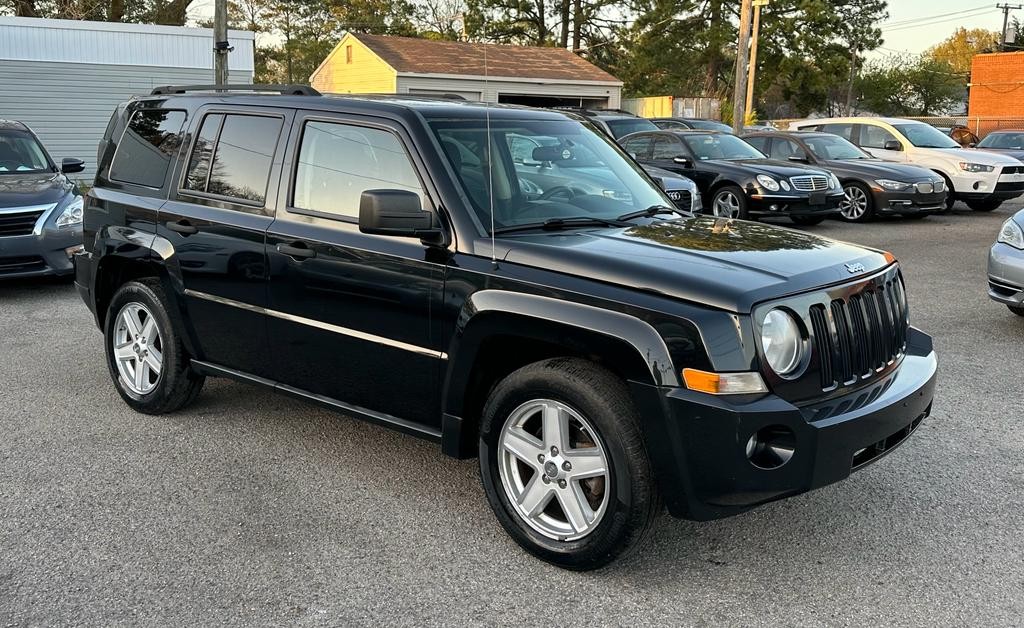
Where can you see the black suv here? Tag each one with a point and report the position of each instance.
(601, 354)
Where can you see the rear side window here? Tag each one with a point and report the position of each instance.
(760, 143)
(874, 136)
(639, 147)
(666, 148)
(338, 162)
(147, 147)
(842, 130)
(232, 155)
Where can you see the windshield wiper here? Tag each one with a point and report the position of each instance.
(555, 224)
(653, 211)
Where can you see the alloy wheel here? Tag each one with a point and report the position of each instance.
(726, 205)
(138, 348)
(854, 203)
(554, 469)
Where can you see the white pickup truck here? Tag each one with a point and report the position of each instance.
(982, 180)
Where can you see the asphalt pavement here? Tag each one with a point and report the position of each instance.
(254, 509)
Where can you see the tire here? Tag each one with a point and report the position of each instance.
(807, 221)
(729, 201)
(618, 507)
(858, 204)
(950, 192)
(173, 385)
(1019, 311)
(985, 205)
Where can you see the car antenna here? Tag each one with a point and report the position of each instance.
(490, 162)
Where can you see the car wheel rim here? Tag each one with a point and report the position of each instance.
(554, 469)
(138, 348)
(854, 203)
(726, 205)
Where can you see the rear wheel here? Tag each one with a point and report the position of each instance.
(807, 221)
(950, 192)
(564, 465)
(729, 202)
(985, 205)
(145, 355)
(857, 204)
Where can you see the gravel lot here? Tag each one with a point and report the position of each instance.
(255, 509)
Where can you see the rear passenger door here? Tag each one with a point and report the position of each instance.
(350, 312)
(873, 139)
(216, 222)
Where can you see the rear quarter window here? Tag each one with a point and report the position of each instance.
(232, 155)
(149, 144)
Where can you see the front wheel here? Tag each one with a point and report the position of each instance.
(984, 205)
(857, 204)
(564, 465)
(807, 221)
(145, 355)
(729, 202)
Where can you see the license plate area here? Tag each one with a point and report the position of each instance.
(816, 198)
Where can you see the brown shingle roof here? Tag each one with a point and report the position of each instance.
(425, 56)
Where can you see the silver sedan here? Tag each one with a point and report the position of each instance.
(1006, 265)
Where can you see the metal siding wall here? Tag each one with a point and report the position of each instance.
(491, 89)
(68, 105)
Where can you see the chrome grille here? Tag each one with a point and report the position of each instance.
(681, 198)
(860, 334)
(1012, 170)
(18, 223)
(809, 183)
(925, 187)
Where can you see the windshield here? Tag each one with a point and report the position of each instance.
(1003, 140)
(834, 147)
(925, 136)
(709, 125)
(543, 170)
(720, 146)
(20, 152)
(625, 126)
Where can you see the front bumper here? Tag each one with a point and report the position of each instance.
(901, 203)
(1006, 274)
(700, 455)
(983, 186)
(767, 204)
(39, 254)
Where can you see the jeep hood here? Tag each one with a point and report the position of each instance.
(728, 264)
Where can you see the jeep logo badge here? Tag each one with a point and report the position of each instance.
(855, 267)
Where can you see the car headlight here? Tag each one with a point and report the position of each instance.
(72, 214)
(967, 166)
(1011, 233)
(784, 184)
(896, 186)
(781, 341)
(768, 182)
(833, 181)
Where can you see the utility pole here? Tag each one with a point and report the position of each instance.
(752, 68)
(220, 42)
(1006, 19)
(854, 50)
(742, 56)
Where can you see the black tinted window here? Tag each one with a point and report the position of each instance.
(147, 147)
(241, 156)
(666, 148)
(760, 143)
(842, 130)
(338, 162)
(639, 147)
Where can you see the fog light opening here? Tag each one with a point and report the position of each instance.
(771, 447)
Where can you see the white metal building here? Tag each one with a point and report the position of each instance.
(63, 78)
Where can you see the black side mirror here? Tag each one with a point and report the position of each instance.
(972, 145)
(682, 160)
(892, 145)
(71, 165)
(799, 159)
(395, 213)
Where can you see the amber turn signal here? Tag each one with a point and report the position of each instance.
(724, 383)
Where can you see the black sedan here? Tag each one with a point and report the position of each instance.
(871, 186)
(1010, 142)
(735, 179)
(700, 124)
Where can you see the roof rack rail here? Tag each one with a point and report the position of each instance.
(290, 90)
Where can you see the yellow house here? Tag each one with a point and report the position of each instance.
(525, 75)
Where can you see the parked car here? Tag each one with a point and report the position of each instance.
(1006, 265)
(759, 128)
(982, 180)
(600, 354)
(615, 122)
(871, 186)
(40, 207)
(735, 179)
(681, 124)
(1009, 142)
(960, 134)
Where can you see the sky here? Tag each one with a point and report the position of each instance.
(916, 25)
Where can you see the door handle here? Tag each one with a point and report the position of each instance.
(183, 227)
(297, 251)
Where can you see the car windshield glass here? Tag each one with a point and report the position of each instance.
(21, 153)
(1003, 140)
(834, 147)
(720, 146)
(926, 136)
(542, 170)
(625, 126)
(709, 125)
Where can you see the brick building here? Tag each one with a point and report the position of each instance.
(996, 89)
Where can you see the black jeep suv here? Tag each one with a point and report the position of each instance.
(600, 353)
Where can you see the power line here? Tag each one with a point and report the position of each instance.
(926, 22)
(914, 20)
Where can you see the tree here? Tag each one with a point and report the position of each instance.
(910, 86)
(958, 49)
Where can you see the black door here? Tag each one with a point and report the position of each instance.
(217, 222)
(666, 148)
(350, 312)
